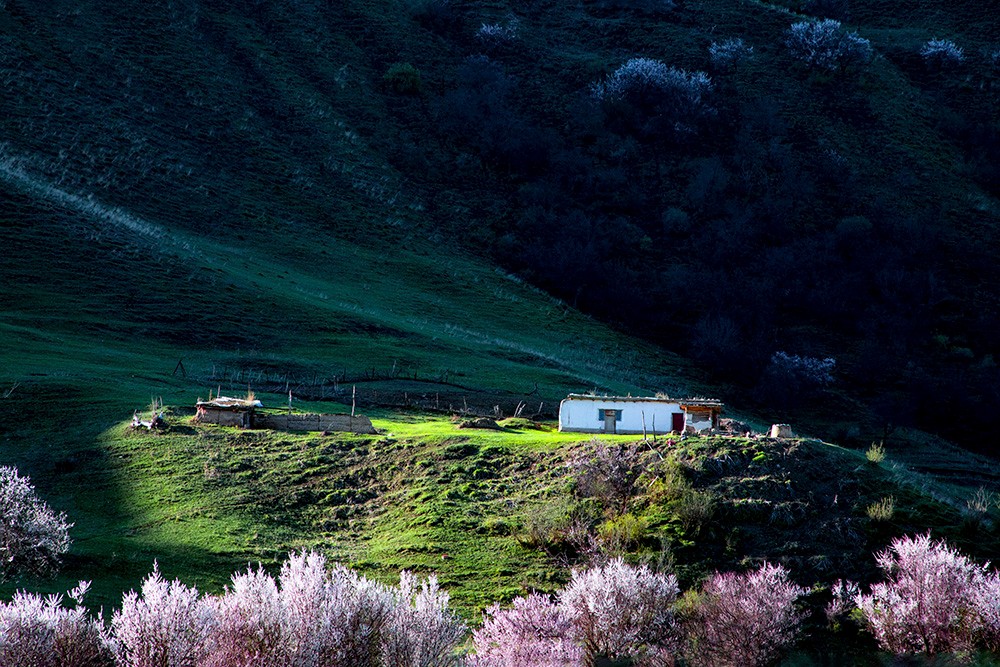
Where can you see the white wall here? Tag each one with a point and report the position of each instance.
(704, 424)
(585, 415)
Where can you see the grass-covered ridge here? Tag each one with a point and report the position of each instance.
(494, 514)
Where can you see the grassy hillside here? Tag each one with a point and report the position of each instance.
(493, 513)
(223, 237)
(213, 177)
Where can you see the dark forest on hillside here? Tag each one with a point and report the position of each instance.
(751, 209)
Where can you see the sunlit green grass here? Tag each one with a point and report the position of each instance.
(433, 430)
(205, 501)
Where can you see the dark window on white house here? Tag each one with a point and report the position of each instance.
(600, 415)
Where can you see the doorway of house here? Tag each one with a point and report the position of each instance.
(677, 422)
(610, 419)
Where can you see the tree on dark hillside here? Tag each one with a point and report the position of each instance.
(647, 7)
(494, 37)
(828, 9)
(481, 93)
(825, 45)
(732, 344)
(437, 15)
(480, 111)
(942, 54)
(588, 260)
(728, 55)
(789, 379)
(651, 100)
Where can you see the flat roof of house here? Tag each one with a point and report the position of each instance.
(227, 403)
(707, 402)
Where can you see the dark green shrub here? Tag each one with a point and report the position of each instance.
(619, 534)
(694, 509)
(403, 78)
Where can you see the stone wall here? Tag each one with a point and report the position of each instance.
(314, 422)
(239, 419)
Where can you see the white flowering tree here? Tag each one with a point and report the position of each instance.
(534, 631)
(422, 630)
(656, 98)
(942, 54)
(167, 624)
(40, 631)
(496, 35)
(826, 45)
(308, 617)
(32, 536)
(613, 612)
(729, 54)
(621, 612)
(626, 614)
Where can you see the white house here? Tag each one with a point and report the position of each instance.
(628, 414)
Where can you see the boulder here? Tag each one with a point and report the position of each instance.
(781, 431)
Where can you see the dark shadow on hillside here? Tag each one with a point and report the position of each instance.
(54, 433)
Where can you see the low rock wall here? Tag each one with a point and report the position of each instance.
(223, 417)
(314, 422)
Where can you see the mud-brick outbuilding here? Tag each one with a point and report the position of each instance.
(227, 411)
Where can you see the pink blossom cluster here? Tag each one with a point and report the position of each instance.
(934, 600)
(744, 619)
(309, 616)
(622, 613)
